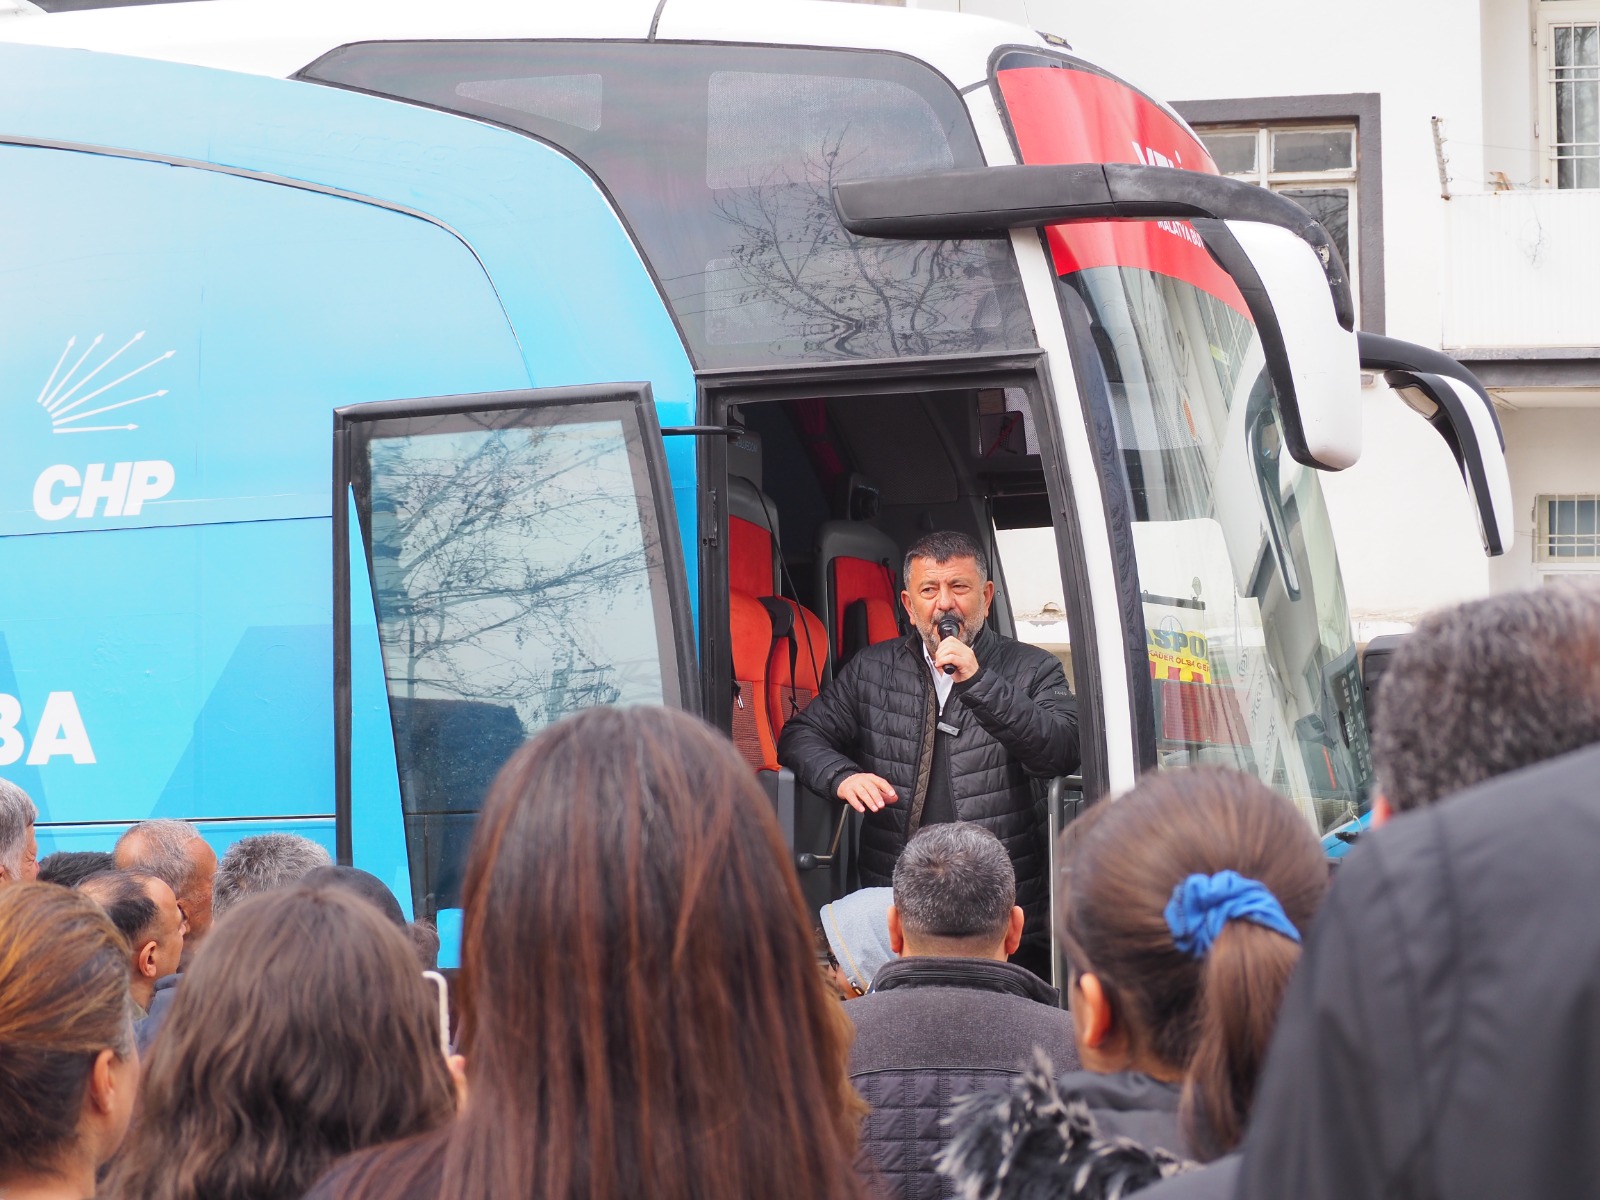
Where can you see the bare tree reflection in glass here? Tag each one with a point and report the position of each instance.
(511, 569)
(512, 576)
(503, 558)
(792, 266)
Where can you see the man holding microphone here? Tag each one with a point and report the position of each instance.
(953, 723)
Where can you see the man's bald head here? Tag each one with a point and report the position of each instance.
(175, 853)
(145, 911)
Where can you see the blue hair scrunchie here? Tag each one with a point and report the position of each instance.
(1202, 904)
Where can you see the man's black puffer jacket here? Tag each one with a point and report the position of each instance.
(930, 1031)
(1018, 721)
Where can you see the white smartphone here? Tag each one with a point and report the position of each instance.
(443, 987)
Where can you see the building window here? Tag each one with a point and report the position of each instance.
(1569, 41)
(1569, 529)
(1309, 147)
(1313, 166)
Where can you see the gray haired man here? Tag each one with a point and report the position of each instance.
(949, 1016)
(261, 863)
(1485, 688)
(19, 851)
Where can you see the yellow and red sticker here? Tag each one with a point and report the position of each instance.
(1177, 654)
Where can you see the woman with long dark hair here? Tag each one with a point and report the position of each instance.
(643, 1014)
(1182, 905)
(68, 1069)
(303, 1031)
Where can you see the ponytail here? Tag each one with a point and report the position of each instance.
(1187, 897)
(1241, 986)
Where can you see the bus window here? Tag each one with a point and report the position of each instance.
(722, 160)
(518, 573)
(1027, 560)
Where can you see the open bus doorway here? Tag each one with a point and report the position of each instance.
(823, 494)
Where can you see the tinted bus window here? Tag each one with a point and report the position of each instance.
(722, 159)
(519, 576)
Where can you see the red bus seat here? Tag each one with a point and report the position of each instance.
(780, 649)
(799, 658)
(858, 565)
(750, 630)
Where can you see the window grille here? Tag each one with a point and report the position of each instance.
(1569, 529)
(1574, 67)
(1315, 166)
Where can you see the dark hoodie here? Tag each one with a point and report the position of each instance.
(1441, 1037)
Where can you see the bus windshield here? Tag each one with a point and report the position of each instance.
(722, 160)
(1251, 658)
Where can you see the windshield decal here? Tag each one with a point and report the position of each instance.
(1060, 115)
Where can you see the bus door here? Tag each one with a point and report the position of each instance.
(810, 502)
(500, 561)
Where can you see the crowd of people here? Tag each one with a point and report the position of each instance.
(645, 1007)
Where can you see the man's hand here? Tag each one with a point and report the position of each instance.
(956, 653)
(866, 792)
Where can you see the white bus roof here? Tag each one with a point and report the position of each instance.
(278, 37)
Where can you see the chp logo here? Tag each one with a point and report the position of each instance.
(74, 404)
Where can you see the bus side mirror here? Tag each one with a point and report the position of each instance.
(1284, 263)
(1311, 357)
(1374, 663)
(1450, 398)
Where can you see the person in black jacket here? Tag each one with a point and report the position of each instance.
(934, 728)
(1439, 1039)
(950, 1015)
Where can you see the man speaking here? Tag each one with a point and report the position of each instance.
(949, 724)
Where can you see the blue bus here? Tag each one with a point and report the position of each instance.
(385, 384)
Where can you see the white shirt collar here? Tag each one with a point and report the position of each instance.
(942, 683)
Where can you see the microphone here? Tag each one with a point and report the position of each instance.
(949, 626)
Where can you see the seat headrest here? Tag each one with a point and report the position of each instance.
(748, 502)
(856, 539)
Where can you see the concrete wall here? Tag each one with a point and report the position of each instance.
(1510, 96)
(1407, 535)
(1549, 451)
(1523, 268)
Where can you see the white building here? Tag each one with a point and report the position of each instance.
(1362, 115)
